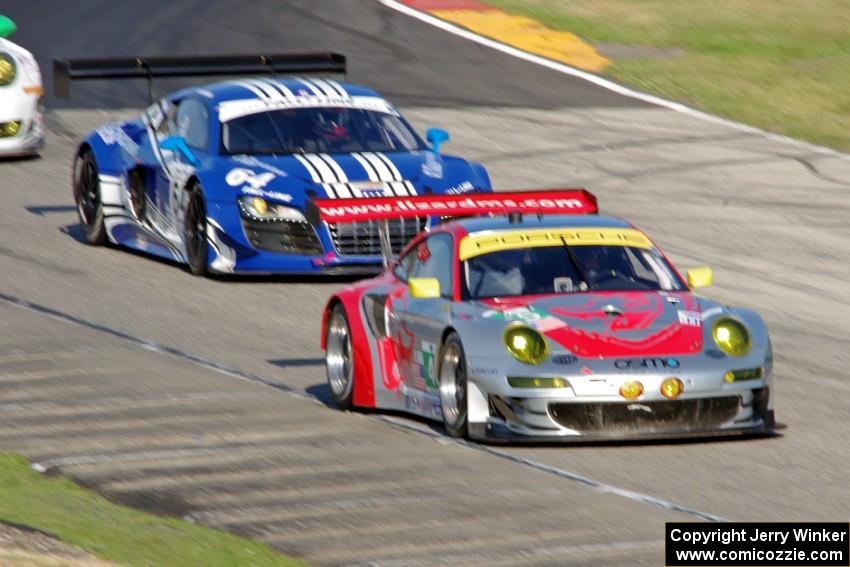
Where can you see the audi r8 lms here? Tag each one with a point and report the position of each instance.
(544, 327)
(21, 131)
(218, 176)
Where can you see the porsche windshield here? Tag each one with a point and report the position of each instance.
(563, 269)
(318, 130)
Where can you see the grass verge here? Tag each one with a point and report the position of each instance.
(781, 66)
(61, 508)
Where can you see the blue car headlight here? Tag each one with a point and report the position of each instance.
(258, 209)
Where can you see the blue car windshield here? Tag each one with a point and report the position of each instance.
(562, 269)
(318, 130)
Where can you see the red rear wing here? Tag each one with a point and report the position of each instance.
(548, 202)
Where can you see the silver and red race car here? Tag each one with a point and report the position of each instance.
(530, 326)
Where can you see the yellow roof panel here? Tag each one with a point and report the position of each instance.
(493, 241)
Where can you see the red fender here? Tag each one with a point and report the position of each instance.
(364, 381)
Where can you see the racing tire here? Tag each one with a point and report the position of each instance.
(339, 358)
(453, 386)
(195, 231)
(88, 199)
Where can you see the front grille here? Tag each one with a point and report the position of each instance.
(288, 237)
(361, 238)
(647, 417)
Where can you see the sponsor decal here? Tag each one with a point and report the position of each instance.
(230, 109)
(515, 314)
(532, 202)
(586, 371)
(565, 359)
(464, 187)
(285, 197)
(483, 371)
(155, 115)
(426, 360)
(112, 134)
(690, 318)
(652, 363)
(370, 189)
(714, 353)
(248, 178)
(432, 166)
(252, 161)
(369, 186)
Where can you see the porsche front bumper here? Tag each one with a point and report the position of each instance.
(15, 106)
(552, 419)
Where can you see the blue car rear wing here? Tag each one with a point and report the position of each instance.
(149, 68)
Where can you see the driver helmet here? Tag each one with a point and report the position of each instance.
(605, 261)
(330, 127)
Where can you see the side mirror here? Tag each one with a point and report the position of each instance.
(424, 288)
(436, 137)
(700, 277)
(7, 27)
(178, 144)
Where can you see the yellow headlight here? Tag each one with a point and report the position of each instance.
(9, 129)
(526, 344)
(7, 69)
(259, 205)
(732, 337)
(631, 390)
(671, 388)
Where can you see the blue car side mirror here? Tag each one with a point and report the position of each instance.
(178, 144)
(436, 137)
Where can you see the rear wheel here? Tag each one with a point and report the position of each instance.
(88, 199)
(339, 359)
(453, 401)
(195, 231)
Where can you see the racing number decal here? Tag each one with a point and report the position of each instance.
(175, 208)
(241, 176)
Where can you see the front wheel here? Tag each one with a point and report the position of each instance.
(195, 231)
(339, 359)
(87, 198)
(453, 386)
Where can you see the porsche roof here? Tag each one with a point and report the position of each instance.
(502, 222)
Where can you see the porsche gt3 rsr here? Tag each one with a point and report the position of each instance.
(21, 130)
(554, 328)
(218, 176)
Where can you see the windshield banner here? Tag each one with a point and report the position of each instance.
(549, 202)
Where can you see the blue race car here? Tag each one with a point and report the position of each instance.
(218, 177)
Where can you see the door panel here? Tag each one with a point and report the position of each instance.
(417, 324)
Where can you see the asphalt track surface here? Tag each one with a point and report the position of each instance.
(185, 395)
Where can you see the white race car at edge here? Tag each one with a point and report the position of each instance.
(21, 89)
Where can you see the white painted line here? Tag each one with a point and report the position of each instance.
(581, 479)
(137, 401)
(168, 455)
(259, 380)
(535, 553)
(602, 82)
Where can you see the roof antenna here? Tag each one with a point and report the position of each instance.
(270, 64)
(142, 64)
(515, 217)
